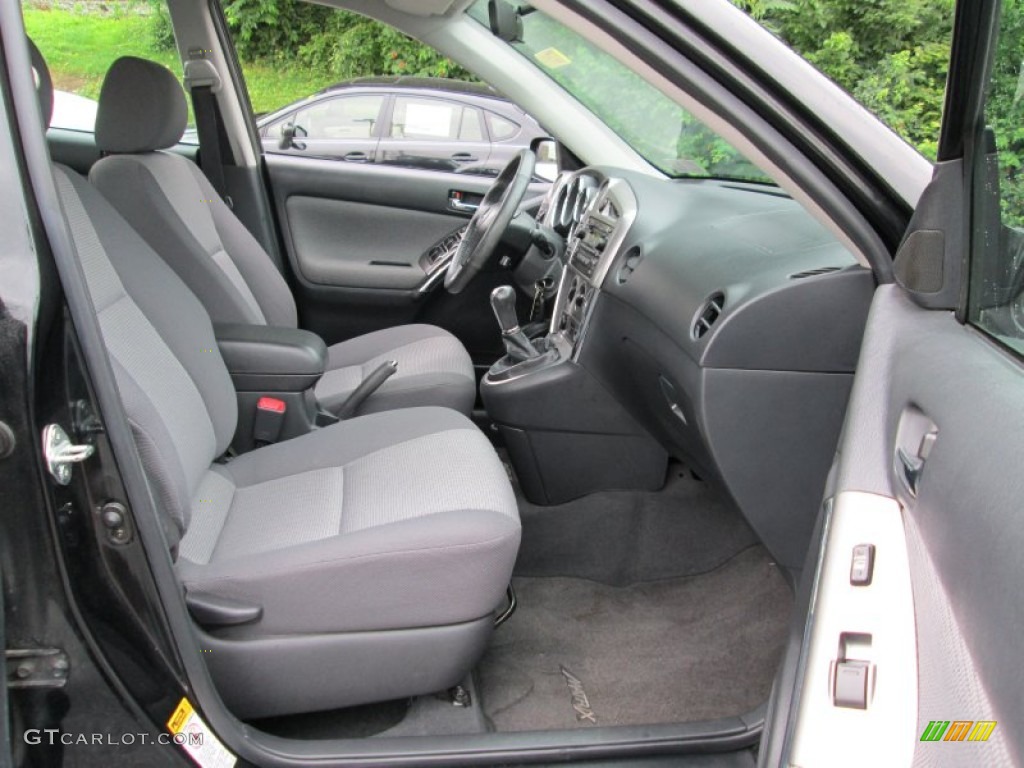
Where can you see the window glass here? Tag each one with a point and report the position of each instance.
(501, 128)
(663, 133)
(424, 119)
(472, 128)
(273, 131)
(996, 302)
(81, 40)
(343, 117)
(892, 56)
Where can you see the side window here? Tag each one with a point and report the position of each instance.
(471, 127)
(81, 40)
(343, 117)
(426, 119)
(500, 127)
(996, 299)
(273, 131)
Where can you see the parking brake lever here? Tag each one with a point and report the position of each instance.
(517, 346)
(367, 387)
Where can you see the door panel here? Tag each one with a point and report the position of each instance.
(357, 239)
(334, 238)
(923, 373)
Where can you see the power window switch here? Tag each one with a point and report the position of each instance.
(862, 565)
(850, 687)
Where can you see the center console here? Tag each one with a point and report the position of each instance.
(274, 371)
(565, 434)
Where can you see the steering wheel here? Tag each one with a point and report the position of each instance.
(490, 220)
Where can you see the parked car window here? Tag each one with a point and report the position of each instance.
(434, 119)
(471, 128)
(501, 128)
(346, 117)
(996, 301)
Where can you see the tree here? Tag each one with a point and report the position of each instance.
(340, 43)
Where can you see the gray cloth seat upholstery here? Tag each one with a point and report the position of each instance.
(376, 549)
(168, 200)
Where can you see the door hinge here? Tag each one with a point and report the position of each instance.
(37, 667)
(60, 453)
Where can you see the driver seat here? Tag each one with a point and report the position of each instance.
(168, 200)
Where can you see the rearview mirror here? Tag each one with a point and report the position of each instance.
(289, 134)
(505, 21)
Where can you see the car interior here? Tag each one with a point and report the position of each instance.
(664, 435)
(439, 456)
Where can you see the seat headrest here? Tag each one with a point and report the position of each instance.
(44, 83)
(142, 108)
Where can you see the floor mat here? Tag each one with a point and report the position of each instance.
(625, 537)
(578, 653)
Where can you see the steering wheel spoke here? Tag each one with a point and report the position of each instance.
(490, 221)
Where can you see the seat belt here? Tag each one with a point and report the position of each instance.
(209, 130)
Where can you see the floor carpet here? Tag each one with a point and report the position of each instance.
(579, 653)
(624, 537)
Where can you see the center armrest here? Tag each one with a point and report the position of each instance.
(267, 359)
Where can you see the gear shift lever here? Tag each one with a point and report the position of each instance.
(517, 346)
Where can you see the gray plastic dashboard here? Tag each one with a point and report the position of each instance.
(728, 323)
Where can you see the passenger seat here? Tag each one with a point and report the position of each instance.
(168, 200)
(361, 562)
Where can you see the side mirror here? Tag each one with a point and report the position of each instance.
(546, 150)
(506, 21)
(289, 134)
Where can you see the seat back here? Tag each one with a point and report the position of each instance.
(172, 205)
(172, 379)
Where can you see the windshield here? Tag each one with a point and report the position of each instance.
(659, 130)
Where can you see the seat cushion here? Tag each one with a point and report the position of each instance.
(396, 520)
(433, 369)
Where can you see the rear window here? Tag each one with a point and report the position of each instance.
(501, 128)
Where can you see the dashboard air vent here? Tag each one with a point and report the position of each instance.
(708, 314)
(632, 260)
(813, 272)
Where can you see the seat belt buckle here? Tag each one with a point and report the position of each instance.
(270, 413)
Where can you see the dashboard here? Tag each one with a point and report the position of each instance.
(725, 320)
(596, 216)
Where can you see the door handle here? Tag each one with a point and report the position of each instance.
(458, 205)
(914, 444)
(912, 467)
(355, 157)
(463, 157)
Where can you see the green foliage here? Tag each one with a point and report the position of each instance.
(351, 45)
(891, 55)
(1005, 110)
(339, 43)
(161, 33)
(80, 45)
(273, 29)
